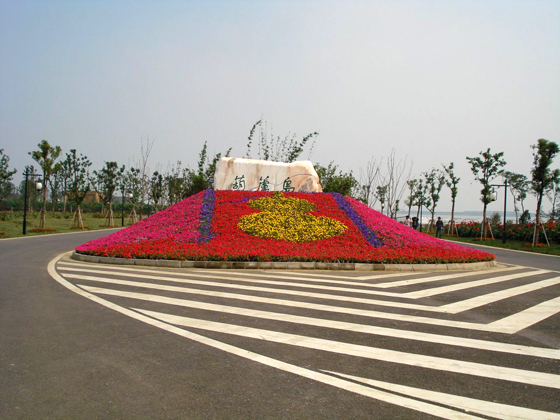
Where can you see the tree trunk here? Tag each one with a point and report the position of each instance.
(452, 223)
(110, 220)
(537, 220)
(44, 208)
(484, 223)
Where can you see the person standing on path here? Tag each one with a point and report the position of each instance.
(407, 221)
(439, 227)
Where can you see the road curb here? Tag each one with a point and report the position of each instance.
(281, 265)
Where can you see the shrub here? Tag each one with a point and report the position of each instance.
(43, 230)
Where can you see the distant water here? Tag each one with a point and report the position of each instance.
(463, 216)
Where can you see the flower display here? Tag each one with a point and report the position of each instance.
(287, 218)
(266, 226)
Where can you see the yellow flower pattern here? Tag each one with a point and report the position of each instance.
(287, 218)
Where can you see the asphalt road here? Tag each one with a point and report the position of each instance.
(64, 355)
(527, 259)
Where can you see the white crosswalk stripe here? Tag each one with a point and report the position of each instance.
(449, 323)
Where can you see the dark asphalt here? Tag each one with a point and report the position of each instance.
(526, 259)
(66, 357)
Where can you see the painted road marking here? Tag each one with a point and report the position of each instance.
(485, 408)
(431, 279)
(345, 326)
(266, 289)
(527, 377)
(530, 316)
(306, 305)
(468, 304)
(448, 406)
(469, 285)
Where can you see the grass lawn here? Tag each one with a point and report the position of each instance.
(554, 248)
(62, 223)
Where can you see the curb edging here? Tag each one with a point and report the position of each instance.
(278, 265)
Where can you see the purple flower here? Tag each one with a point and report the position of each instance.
(369, 234)
(206, 214)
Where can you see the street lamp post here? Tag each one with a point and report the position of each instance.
(494, 197)
(127, 195)
(421, 205)
(122, 210)
(38, 187)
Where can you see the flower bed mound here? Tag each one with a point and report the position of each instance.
(266, 226)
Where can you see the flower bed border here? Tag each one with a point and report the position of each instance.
(266, 265)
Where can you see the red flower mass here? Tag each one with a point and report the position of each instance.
(176, 233)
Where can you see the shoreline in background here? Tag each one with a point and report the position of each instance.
(460, 216)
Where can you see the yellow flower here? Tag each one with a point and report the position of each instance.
(286, 219)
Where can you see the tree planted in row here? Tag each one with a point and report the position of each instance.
(542, 176)
(79, 182)
(6, 176)
(46, 157)
(485, 168)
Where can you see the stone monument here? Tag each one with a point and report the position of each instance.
(262, 175)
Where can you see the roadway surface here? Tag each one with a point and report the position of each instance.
(87, 341)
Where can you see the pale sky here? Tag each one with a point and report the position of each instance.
(435, 80)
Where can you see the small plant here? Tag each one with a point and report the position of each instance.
(84, 227)
(43, 230)
(2, 234)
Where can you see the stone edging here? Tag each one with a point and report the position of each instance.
(256, 265)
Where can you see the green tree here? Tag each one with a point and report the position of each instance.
(434, 180)
(420, 198)
(412, 185)
(131, 187)
(46, 157)
(6, 176)
(554, 195)
(79, 182)
(331, 181)
(108, 181)
(203, 178)
(519, 186)
(156, 189)
(381, 195)
(485, 167)
(495, 218)
(55, 185)
(542, 176)
(32, 193)
(451, 181)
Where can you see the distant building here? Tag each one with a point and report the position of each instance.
(92, 197)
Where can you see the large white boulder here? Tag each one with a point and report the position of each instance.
(262, 175)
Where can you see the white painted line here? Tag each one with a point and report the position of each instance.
(482, 300)
(246, 280)
(439, 278)
(470, 284)
(543, 379)
(485, 408)
(297, 304)
(267, 361)
(524, 319)
(321, 278)
(265, 289)
(220, 274)
(345, 326)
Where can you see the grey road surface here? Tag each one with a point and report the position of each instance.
(105, 342)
